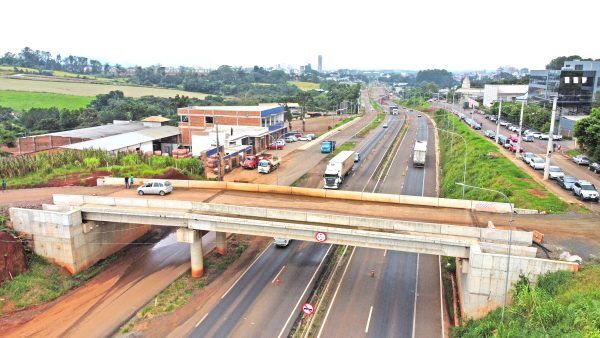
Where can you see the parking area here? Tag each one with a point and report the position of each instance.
(533, 157)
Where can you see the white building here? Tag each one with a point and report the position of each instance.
(494, 93)
(228, 136)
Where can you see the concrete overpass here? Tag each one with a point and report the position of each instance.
(77, 230)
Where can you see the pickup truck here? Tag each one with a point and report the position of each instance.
(327, 146)
(268, 163)
(250, 162)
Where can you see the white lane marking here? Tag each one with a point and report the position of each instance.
(335, 294)
(277, 275)
(248, 268)
(384, 252)
(416, 293)
(441, 300)
(295, 309)
(200, 321)
(369, 319)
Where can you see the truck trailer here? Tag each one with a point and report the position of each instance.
(337, 169)
(420, 152)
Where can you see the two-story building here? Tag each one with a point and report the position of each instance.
(256, 126)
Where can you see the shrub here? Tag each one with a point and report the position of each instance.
(91, 162)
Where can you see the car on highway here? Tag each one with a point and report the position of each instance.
(581, 160)
(490, 134)
(527, 138)
(595, 167)
(155, 187)
(281, 242)
(566, 182)
(555, 172)
(585, 190)
(356, 157)
(385, 125)
(537, 163)
(526, 157)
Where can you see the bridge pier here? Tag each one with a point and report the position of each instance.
(221, 243)
(194, 237)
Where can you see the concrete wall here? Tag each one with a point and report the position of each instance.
(337, 194)
(62, 237)
(481, 278)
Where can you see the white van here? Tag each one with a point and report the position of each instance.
(281, 242)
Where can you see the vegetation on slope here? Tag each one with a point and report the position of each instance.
(487, 168)
(22, 100)
(560, 304)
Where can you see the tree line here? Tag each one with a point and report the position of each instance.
(587, 132)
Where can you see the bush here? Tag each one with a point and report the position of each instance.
(91, 162)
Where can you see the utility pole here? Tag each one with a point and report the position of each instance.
(218, 154)
(520, 129)
(498, 121)
(550, 140)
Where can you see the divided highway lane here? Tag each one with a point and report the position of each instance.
(256, 305)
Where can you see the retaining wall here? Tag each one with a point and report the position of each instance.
(482, 206)
(62, 237)
(482, 277)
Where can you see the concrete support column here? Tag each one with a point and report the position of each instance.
(196, 255)
(221, 243)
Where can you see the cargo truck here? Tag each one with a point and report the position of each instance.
(420, 152)
(268, 163)
(327, 146)
(337, 169)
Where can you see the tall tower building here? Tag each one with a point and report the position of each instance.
(320, 64)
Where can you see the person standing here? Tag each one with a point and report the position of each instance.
(130, 180)
(126, 182)
(3, 185)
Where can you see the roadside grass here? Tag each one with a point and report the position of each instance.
(301, 181)
(560, 304)
(43, 282)
(344, 121)
(375, 105)
(181, 291)
(348, 145)
(374, 124)
(488, 168)
(417, 104)
(22, 100)
(573, 152)
(305, 85)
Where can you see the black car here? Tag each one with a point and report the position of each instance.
(595, 167)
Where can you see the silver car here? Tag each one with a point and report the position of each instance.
(581, 159)
(157, 187)
(526, 157)
(537, 163)
(555, 172)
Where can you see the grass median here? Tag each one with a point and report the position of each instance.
(488, 168)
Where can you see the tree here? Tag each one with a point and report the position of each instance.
(587, 132)
(559, 62)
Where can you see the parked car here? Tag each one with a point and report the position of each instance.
(526, 157)
(513, 128)
(581, 160)
(536, 134)
(493, 118)
(513, 138)
(156, 187)
(595, 167)
(555, 172)
(275, 146)
(544, 136)
(291, 138)
(307, 137)
(566, 182)
(503, 140)
(557, 137)
(513, 147)
(476, 126)
(585, 190)
(504, 123)
(537, 163)
(527, 138)
(490, 133)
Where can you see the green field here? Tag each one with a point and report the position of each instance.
(488, 168)
(20, 101)
(305, 85)
(88, 89)
(33, 71)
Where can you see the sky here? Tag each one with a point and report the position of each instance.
(374, 34)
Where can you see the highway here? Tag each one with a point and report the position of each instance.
(385, 305)
(256, 304)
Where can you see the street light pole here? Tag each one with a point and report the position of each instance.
(520, 129)
(550, 140)
(510, 220)
(498, 120)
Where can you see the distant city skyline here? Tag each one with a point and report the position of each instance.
(396, 35)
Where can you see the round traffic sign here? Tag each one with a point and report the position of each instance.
(308, 308)
(321, 237)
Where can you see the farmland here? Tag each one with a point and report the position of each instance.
(305, 85)
(21, 100)
(88, 89)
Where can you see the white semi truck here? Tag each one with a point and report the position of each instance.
(337, 168)
(420, 152)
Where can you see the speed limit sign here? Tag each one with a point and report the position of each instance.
(321, 237)
(308, 308)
